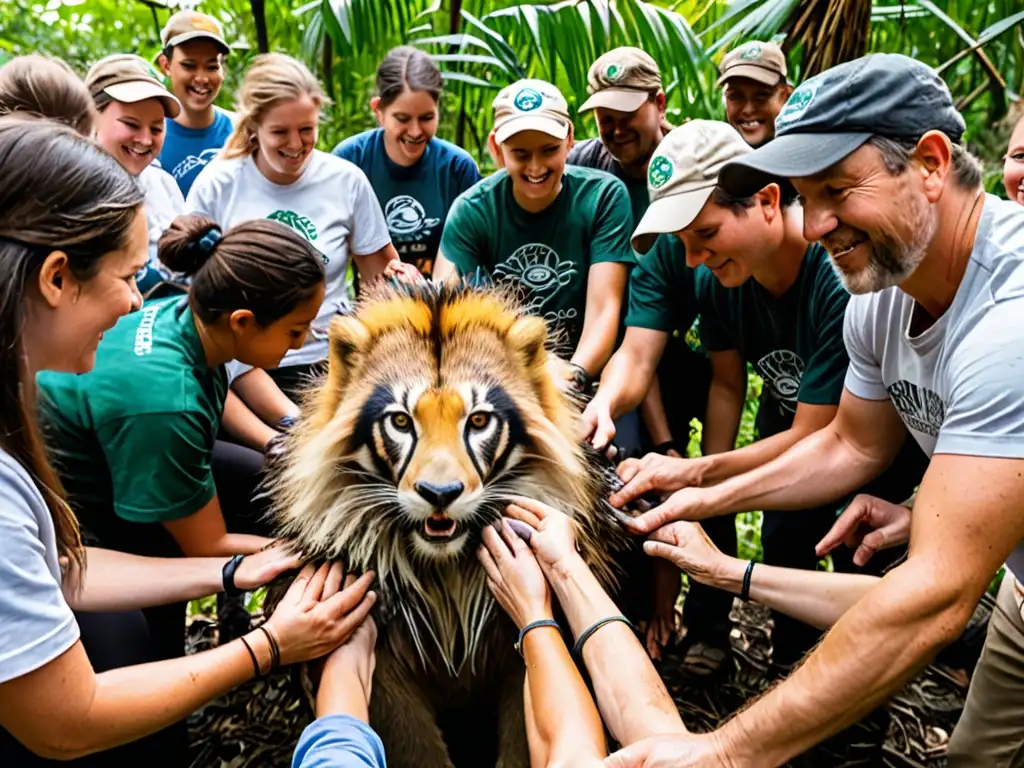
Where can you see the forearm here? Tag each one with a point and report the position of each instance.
(115, 581)
(244, 425)
(597, 341)
(625, 381)
(631, 696)
(343, 694)
(229, 545)
(371, 267)
(652, 411)
(266, 400)
(879, 644)
(567, 724)
(722, 466)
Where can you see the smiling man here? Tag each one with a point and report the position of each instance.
(753, 79)
(193, 58)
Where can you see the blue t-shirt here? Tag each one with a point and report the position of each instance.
(339, 741)
(188, 150)
(415, 199)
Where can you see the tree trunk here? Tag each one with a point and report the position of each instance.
(259, 17)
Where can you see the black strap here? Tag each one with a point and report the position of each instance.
(252, 655)
(534, 625)
(228, 576)
(578, 648)
(745, 592)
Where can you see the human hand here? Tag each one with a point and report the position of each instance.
(688, 547)
(598, 426)
(662, 625)
(654, 472)
(264, 566)
(551, 538)
(316, 615)
(869, 524)
(684, 750)
(685, 504)
(404, 273)
(514, 575)
(347, 677)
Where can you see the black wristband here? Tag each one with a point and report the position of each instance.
(577, 649)
(252, 655)
(668, 445)
(534, 625)
(228, 576)
(745, 592)
(275, 649)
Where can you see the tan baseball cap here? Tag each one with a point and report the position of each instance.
(763, 62)
(191, 25)
(530, 105)
(622, 79)
(128, 78)
(682, 175)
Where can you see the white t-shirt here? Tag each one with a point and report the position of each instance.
(332, 204)
(36, 624)
(163, 203)
(959, 385)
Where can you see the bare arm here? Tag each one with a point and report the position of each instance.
(371, 265)
(966, 522)
(606, 286)
(204, 534)
(443, 269)
(726, 395)
(652, 411)
(264, 397)
(241, 423)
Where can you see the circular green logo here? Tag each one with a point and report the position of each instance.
(797, 103)
(527, 100)
(613, 72)
(660, 171)
(751, 52)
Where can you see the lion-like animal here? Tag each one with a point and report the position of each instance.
(440, 401)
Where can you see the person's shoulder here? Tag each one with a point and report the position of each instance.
(353, 147)
(589, 153)
(596, 182)
(999, 248)
(157, 180)
(447, 152)
(222, 170)
(17, 482)
(225, 116)
(486, 188)
(826, 283)
(327, 165)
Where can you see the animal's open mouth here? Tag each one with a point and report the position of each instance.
(439, 526)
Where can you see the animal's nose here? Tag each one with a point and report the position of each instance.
(438, 495)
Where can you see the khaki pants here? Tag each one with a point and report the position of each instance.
(990, 733)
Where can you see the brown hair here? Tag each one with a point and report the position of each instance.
(260, 265)
(45, 87)
(410, 68)
(60, 192)
(270, 79)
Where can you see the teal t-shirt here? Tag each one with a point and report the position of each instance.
(662, 293)
(134, 437)
(795, 341)
(416, 198)
(549, 254)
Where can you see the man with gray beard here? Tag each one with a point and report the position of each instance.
(936, 347)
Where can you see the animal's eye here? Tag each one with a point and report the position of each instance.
(479, 420)
(401, 422)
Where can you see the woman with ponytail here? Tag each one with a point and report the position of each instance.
(72, 237)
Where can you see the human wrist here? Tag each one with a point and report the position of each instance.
(728, 574)
(734, 746)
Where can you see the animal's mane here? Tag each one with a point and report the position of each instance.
(332, 508)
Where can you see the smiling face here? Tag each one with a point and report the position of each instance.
(535, 162)
(631, 137)
(731, 243)
(196, 70)
(876, 226)
(133, 133)
(751, 108)
(409, 122)
(1013, 165)
(286, 138)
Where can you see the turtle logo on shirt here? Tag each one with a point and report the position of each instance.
(300, 224)
(192, 162)
(782, 371)
(538, 269)
(920, 408)
(527, 100)
(407, 221)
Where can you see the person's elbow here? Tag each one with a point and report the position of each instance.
(59, 743)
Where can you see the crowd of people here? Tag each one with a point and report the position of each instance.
(168, 273)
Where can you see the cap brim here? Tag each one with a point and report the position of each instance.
(619, 99)
(669, 214)
(752, 72)
(139, 90)
(184, 37)
(549, 125)
(792, 156)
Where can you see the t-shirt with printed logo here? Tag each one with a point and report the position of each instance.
(416, 198)
(133, 438)
(548, 254)
(332, 205)
(959, 385)
(187, 151)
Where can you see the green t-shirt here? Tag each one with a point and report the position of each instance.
(661, 291)
(134, 437)
(548, 253)
(795, 342)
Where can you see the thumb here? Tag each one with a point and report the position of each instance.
(662, 550)
(605, 431)
(844, 525)
(629, 757)
(870, 544)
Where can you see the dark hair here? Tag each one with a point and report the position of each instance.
(739, 205)
(40, 86)
(407, 67)
(60, 192)
(896, 154)
(260, 265)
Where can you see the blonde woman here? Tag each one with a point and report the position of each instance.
(270, 168)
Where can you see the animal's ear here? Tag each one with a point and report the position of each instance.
(349, 342)
(526, 338)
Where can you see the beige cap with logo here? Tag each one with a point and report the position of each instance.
(762, 62)
(622, 79)
(682, 175)
(192, 25)
(128, 78)
(530, 105)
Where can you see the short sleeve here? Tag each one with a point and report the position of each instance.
(825, 369)
(338, 741)
(203, 196)
(349, 149)
(985, 407)
(864, 374)
(661, 291)
(463, 241)
(369, 230)
(159, 465)
(613, 226)
(37, 624)
(714, 335)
